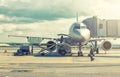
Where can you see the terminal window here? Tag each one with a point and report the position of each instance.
(100, 26)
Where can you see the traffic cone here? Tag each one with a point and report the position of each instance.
(5, 51)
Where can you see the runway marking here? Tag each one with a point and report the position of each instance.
(21, 70)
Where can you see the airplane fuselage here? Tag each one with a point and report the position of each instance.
(79, 33)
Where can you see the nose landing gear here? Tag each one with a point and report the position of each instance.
(80, 53)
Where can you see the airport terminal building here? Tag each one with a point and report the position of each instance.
(102, 27)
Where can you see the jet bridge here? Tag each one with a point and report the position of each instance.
(103, 27)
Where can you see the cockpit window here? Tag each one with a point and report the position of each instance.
(79, 26)
(76, 25)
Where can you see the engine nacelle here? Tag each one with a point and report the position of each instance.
(51, 46)
(106, 45)
(63, 49)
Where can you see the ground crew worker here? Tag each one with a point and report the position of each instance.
(91, 54)
(31, 49)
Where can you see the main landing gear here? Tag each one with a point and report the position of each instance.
(96, 48)
(80, 53)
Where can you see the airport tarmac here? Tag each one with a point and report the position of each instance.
(104, 65)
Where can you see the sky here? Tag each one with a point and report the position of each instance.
(47, 18)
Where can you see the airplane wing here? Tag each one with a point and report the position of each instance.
(97, 39)
(31, 37)
(34, 40)
(12, 43)
(62, 34)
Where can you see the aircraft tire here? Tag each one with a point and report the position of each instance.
(42, 54)
(62, 53)
(80, 53)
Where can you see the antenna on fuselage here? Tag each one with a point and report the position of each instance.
(77, 16)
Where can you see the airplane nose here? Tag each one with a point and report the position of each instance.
(85, 33)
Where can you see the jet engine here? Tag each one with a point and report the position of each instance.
(106, 45)
(51, 46)
(63, 49)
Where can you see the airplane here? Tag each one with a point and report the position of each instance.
(79, 35)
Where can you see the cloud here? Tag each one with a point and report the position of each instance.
(13, 28)
(15, 20)
(37, 29)
(44, 17)
(34, 11)
(108, 10)
(40, 10)
(27, 12)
